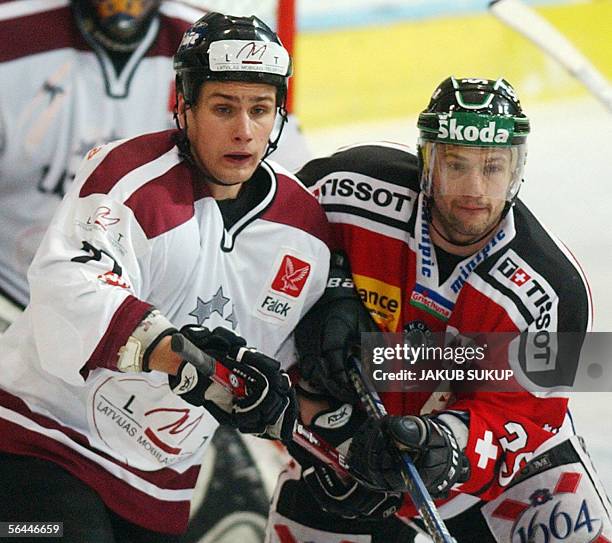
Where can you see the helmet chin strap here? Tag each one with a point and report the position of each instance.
(273, 145)
(507, 207)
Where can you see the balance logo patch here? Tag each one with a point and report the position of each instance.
(291, 276)
(382, 299)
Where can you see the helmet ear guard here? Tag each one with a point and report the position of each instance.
(473, 112)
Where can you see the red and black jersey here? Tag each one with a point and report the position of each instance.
(523, 280)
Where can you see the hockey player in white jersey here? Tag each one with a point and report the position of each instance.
(75, 74)
(103, 425)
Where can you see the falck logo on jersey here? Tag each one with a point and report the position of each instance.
(280, 301)
(291, 277)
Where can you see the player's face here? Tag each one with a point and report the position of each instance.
(469, 189)
(229, 128)
(123, 18)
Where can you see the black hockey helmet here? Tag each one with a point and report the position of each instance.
(118, 25)
(473, 112)
(229, 48)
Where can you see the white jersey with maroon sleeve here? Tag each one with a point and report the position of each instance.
(523, 280)
(138, 229)
(61, 96)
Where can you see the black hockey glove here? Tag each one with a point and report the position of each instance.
(336, 425)
(268, 407)
(199, 390)
(330, 331)
(374, 454)
(349, 499)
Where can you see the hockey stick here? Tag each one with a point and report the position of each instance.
(531, 25)
(416, 489)
(218, 373)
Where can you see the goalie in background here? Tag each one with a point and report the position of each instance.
(441, 243)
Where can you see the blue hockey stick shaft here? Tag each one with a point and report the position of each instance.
(419, 495)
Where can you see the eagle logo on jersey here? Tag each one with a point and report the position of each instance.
(291, 276)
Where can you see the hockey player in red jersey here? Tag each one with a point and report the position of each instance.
(442, 244)
(103, 425)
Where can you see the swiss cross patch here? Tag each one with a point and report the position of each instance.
(291, 276)
(520, 277)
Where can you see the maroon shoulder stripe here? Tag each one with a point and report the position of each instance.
(124, 158)
(40, 32)
(167, 201)
(295, 207)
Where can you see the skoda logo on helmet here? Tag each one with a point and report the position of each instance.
(452, 130)
(473, 112)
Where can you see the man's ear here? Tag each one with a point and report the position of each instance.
(181, 108)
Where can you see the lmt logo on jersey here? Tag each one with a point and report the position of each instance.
(291, 277)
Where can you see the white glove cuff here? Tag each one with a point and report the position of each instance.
(132, 356)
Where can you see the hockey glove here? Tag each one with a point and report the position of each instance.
(374, 454)
(344, 497)
(199, 390)
(330, 331)
(349, 499)
(269, 408)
